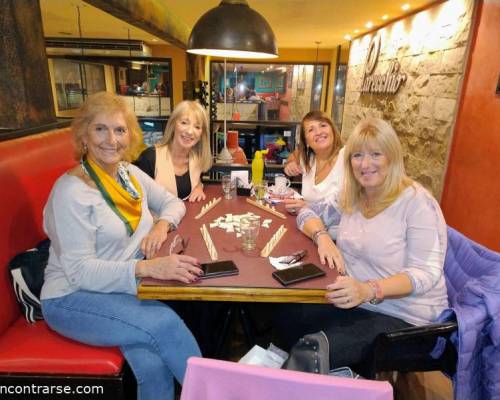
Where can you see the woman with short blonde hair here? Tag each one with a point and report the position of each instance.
(99, 219)
(112, 104)
(178, 160)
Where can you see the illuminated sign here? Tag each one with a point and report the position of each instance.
(390, 82)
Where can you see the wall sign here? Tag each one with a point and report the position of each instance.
(390, 82)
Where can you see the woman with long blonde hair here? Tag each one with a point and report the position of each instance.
(178, 160)
(390, 250)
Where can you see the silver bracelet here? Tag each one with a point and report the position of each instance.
(317, 234)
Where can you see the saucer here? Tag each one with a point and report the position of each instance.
(274, 197)
(288, 192)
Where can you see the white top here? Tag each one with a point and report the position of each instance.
(329, 188)
(90, 248)
(407, 237)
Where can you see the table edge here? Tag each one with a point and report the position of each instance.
(242, 294)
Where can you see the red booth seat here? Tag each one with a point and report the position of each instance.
(35, 348)
(29, 167)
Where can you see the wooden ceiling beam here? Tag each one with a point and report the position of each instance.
(26, 97)
(152, 16)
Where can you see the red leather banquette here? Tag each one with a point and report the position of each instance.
(33, 353)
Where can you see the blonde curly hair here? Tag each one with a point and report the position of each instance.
(109, 103)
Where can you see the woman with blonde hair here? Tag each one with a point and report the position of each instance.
(390, 249)
(318, 158)
(103, 238)
(178, 160)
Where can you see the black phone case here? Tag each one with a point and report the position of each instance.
(298, 274)
(219, 268)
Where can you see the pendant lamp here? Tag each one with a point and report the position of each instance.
(232, 29)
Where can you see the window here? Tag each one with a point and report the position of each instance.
(267, 92)
(339, 95)
(144, 82)
(73, 79)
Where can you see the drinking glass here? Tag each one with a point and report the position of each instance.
(228, 187)
(249, 229)
(260, 190)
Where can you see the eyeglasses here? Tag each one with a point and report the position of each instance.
(178, 245)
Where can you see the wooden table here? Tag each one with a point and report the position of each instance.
(254, 282)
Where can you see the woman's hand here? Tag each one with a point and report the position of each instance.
(197, 194)
(347, 292)
(177, 267)
(155, 238)
(328, 253)
(293, 168)
(293, 205)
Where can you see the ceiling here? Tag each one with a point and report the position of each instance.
(60, 19)
(296, 23)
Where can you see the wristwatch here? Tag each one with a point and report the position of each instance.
(377, 290)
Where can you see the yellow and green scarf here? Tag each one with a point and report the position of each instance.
(124, 197)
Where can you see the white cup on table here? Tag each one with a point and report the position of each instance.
(281, 184)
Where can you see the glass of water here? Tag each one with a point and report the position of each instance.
(228, 186)
(249, 229)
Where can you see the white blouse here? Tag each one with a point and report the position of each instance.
(329, 188)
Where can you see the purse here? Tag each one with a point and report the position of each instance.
(310, 354)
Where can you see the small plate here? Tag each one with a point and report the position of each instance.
(274, 197)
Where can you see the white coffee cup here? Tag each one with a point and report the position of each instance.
(281, 183)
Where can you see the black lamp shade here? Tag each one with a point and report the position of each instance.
(233, 29)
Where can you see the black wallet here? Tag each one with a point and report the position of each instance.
(298, 274)
(219, 268)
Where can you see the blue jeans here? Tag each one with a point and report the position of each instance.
(152, 337)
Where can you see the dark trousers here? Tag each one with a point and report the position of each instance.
(203, 318)
(351, 333)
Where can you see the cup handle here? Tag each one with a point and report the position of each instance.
(288, 182)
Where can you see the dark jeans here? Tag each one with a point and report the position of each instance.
(351, 333)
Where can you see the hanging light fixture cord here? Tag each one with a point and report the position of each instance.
(317, 50)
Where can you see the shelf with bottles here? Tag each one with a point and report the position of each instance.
(277, 137)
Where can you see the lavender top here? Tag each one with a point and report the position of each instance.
(407, 237)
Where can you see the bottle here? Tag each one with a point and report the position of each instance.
(258, 166)
(236, 151)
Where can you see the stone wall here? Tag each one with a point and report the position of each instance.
(431, 47)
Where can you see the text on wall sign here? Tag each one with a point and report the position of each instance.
(390, 82)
